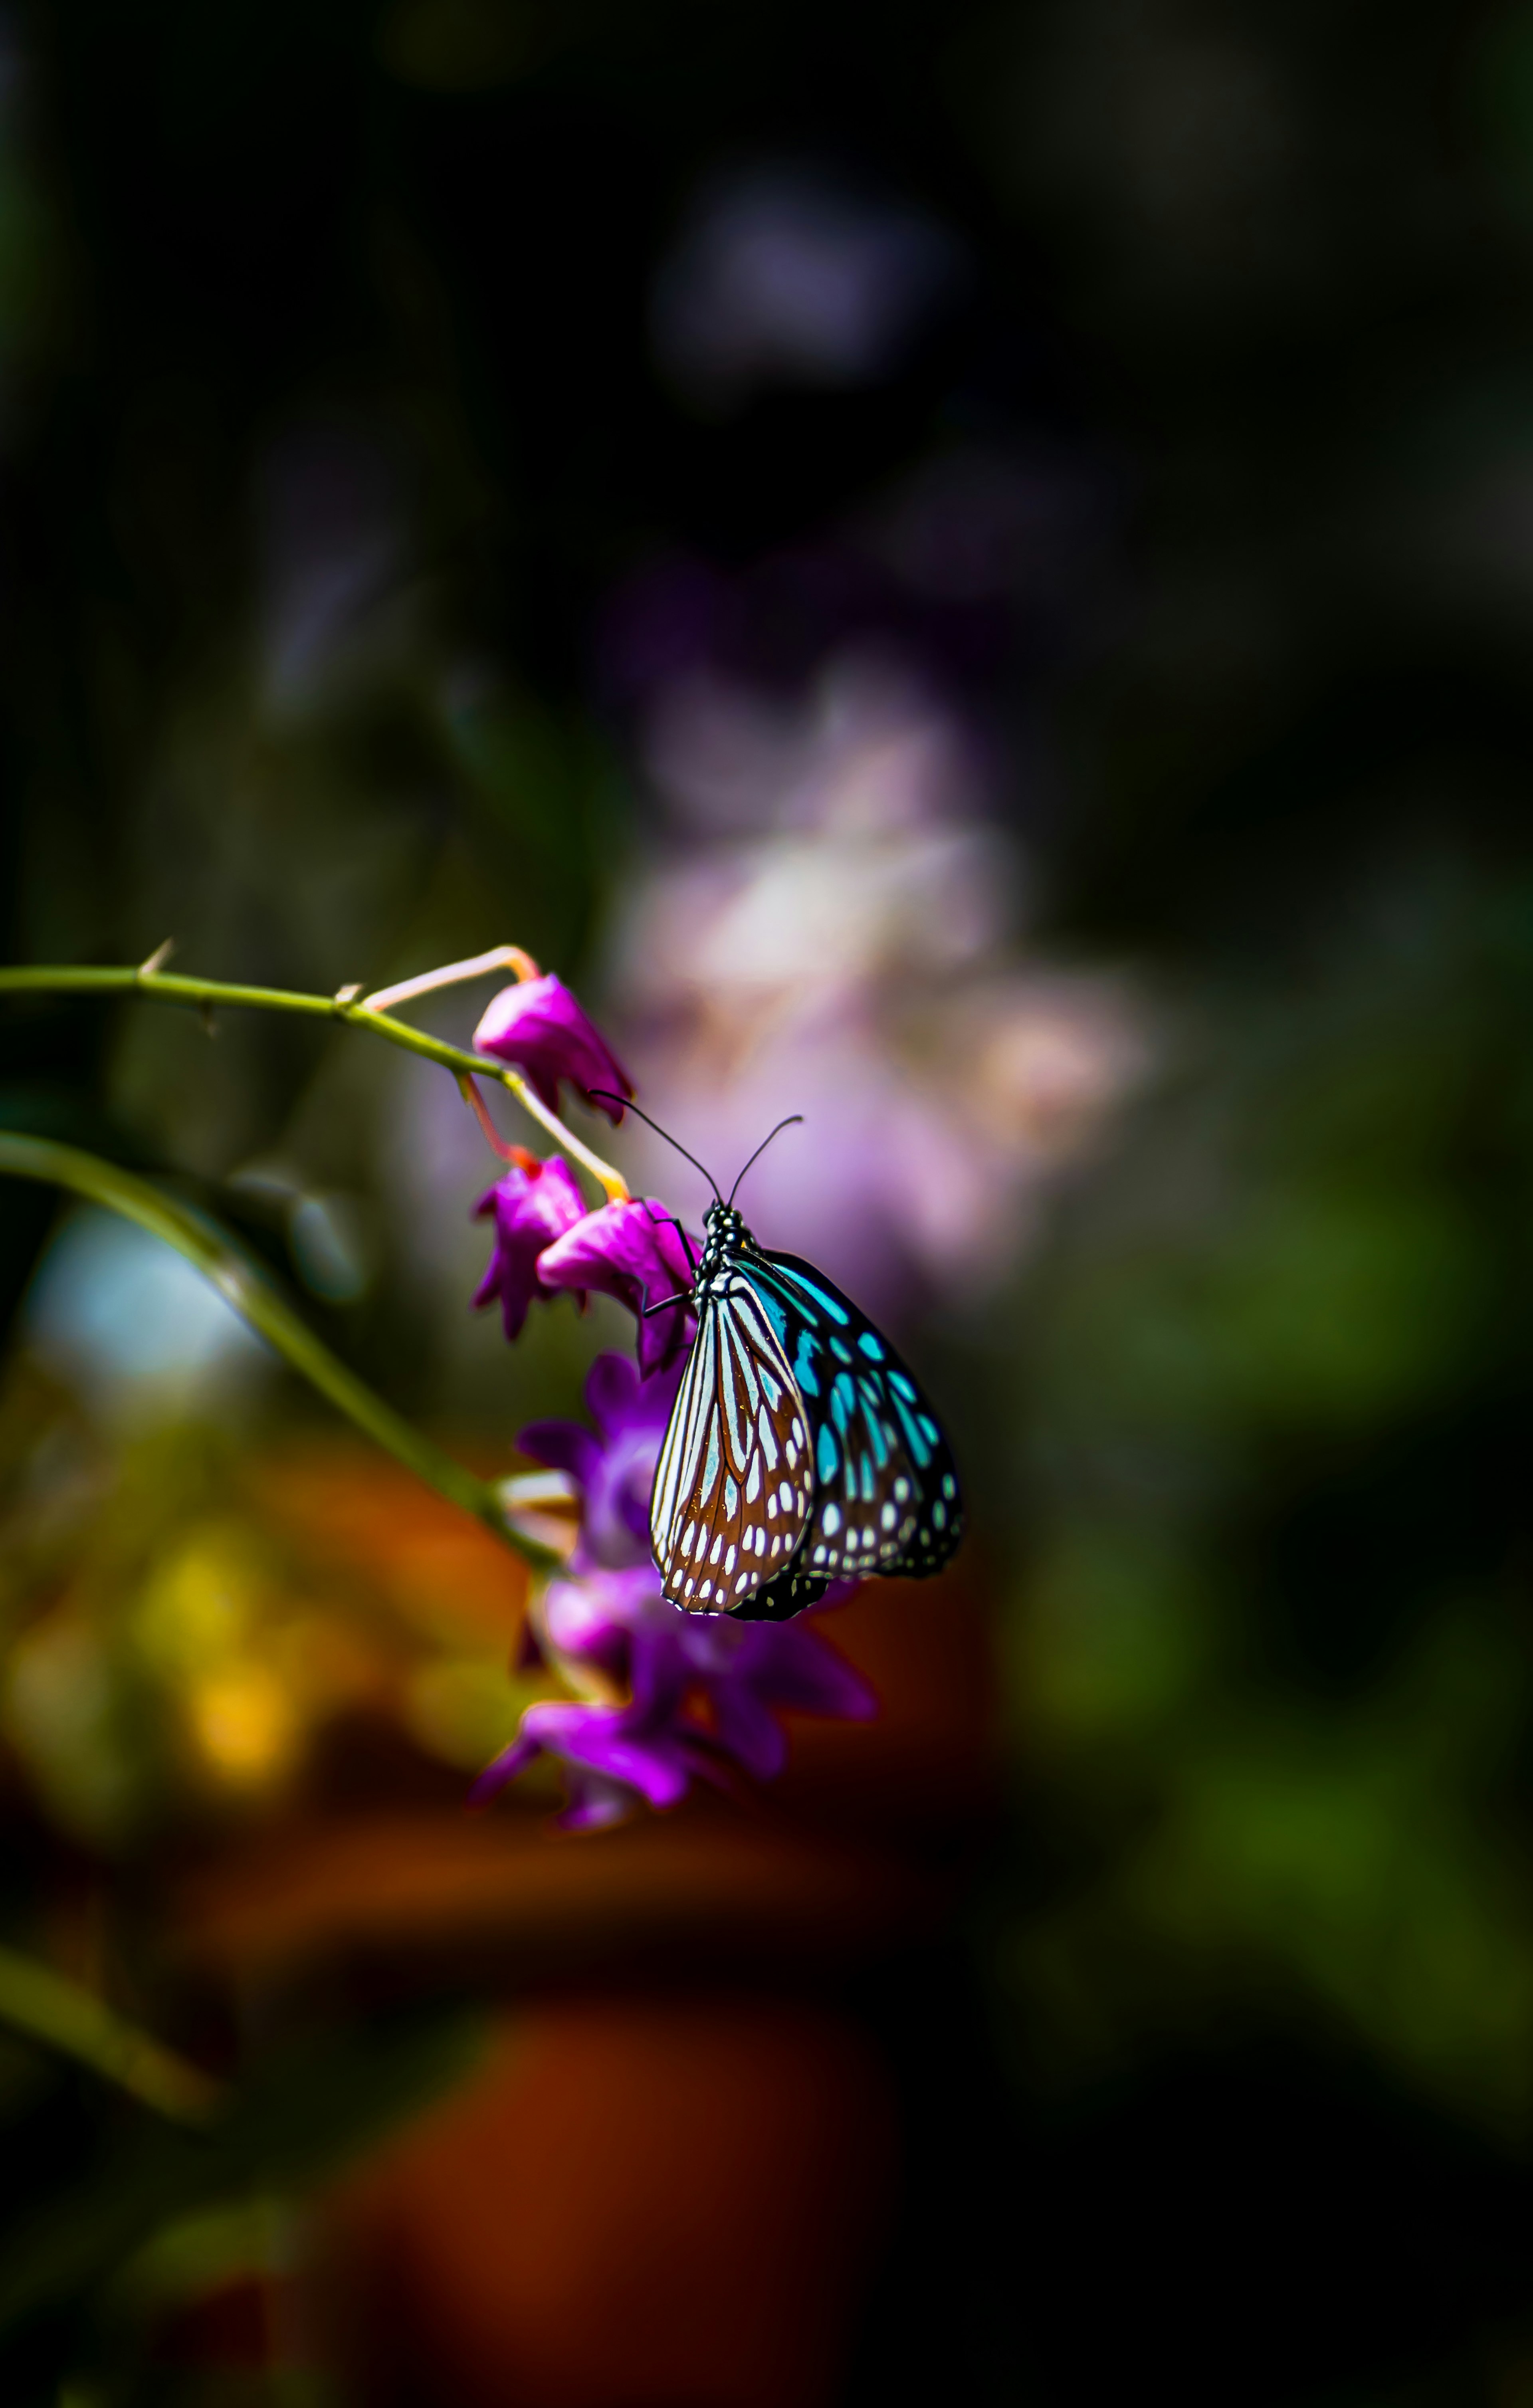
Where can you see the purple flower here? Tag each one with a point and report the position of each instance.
(632, 1252)
(703, 1693)
(676, 1695)
(540, 1028)
(612, 1466)
(532, 1206)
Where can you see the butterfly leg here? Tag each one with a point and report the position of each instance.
(648, 1311)
(669, 1220)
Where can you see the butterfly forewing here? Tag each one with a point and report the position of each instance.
(734, 1488)
(887, 1488)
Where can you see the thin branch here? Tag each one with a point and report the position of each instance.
(170, 987)
(493, 1138)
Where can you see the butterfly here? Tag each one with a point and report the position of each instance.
(800, 1449)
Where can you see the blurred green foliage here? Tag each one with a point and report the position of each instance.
(1274, 1638)
(113, 2225)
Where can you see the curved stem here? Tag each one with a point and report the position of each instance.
(169, 986)
(499, 957)
(493, 1138)
(43, 2006)
(243, 1285)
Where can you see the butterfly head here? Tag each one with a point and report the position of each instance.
(724, 1233)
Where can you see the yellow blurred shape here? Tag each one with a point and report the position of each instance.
(59, 1710)
(244, 1724)
(325, 1663)
(200, 1605)
(465, 1711)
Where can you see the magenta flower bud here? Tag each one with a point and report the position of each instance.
(540, 1030)
(531, 1207)
(632, 1252)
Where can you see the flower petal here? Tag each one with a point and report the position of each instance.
(594, 1801)
(789, 1666)
(504, 1767)
(531, 1209)
(656, 1764)
(564, 1446)
(743, 1729)
(631, 1250)
(540, 1028)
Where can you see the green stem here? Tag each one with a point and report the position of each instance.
(43, 2006)
(253, 1296)
(166, 986)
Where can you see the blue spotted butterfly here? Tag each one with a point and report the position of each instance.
(800, 1449)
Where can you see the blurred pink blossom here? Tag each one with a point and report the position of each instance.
(839, 934)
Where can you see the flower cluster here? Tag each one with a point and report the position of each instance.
(665, 1697)
(547, 1239)
(662, 1696)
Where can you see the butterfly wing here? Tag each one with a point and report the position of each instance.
(734, 1486)
(786, 1594)
(888, 1498)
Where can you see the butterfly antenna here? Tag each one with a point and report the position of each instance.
(629, 1105)
(761, 1148)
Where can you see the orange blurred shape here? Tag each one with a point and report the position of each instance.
(932, 1749)
(426, 1558)
(637, 2204)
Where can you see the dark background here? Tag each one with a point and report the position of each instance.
(1217, 2079)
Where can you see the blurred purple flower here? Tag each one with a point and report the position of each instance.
(790, 275)
(613, 1465)
(532, 1206)
(837, 938)
(632, 1252)
(703, 1692)
(542, 1030)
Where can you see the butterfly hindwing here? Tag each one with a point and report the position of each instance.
(734, 1488)
(786, 1594)
(888, 1498)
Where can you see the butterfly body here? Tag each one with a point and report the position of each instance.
(800, 1449)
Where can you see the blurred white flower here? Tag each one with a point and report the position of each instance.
(838, 935)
